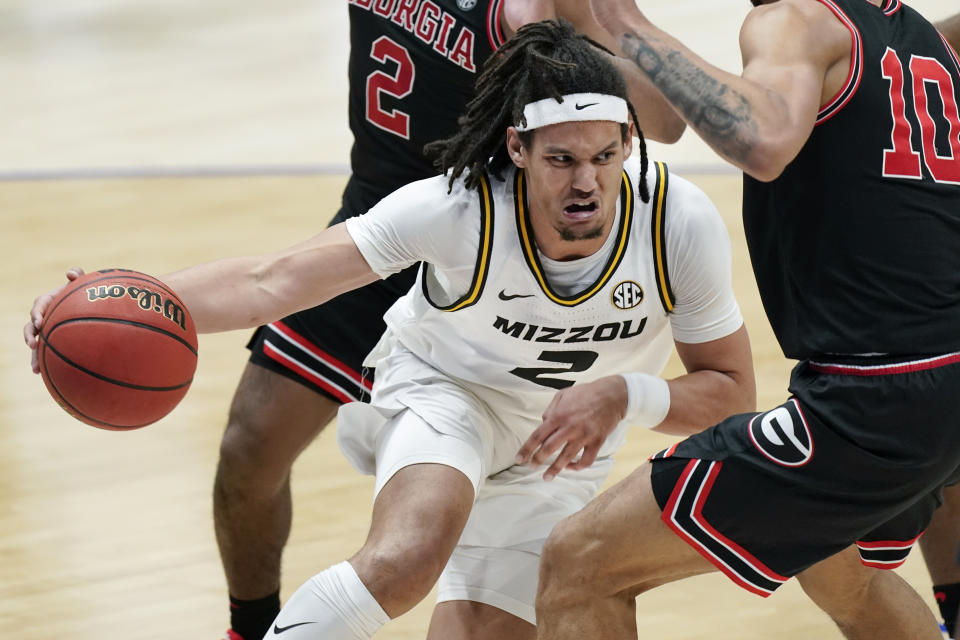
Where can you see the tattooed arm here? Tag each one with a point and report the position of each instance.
(950, 28)
(795, 56)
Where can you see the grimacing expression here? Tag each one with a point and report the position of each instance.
(574, 173)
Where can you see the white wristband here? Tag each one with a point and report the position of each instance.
(648, 399)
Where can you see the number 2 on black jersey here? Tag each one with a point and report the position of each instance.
(399, 85)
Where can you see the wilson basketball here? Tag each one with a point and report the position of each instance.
(117, 349)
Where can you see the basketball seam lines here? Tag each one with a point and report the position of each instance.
(81, 413)
(98, 376)
(134, 323)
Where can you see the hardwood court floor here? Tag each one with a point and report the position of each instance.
(109, 535)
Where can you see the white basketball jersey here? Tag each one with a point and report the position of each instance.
(512, 339)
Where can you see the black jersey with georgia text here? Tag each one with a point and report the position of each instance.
(856, 246)
(413, 65)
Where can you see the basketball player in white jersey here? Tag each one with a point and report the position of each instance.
(559, 274)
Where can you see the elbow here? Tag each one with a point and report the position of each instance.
(764, 167)
(747, 392)
(264, 299)
(674, 131)
(767, 157)
(668, 132)
(763, 173)
(749, 400)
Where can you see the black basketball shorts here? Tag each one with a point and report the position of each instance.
(858, 455)
(323, 348)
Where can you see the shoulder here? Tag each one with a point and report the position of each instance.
(682, 197)
(689, 211)
(423, 207)
(804, 28)
(428, 195)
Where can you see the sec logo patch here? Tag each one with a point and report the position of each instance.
(627, 295)
(782, 435)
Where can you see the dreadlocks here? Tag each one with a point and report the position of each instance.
(543, 60)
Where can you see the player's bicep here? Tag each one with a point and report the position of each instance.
(789, 52)
(729, 354)
(419, 222)
(731, 357)
(699, 261)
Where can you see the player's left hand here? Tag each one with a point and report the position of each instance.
(32, 329)
(579, 418)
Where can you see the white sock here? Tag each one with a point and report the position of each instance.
(332, 605)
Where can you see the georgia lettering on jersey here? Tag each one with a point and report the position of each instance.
(431, 24)
(413, 65)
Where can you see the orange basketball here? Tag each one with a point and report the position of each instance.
(117, 349)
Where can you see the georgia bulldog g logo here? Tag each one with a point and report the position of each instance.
(782, 435)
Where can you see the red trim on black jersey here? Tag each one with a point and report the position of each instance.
(321, 355)
(306, 373)
(849, 88)
(885, 554)
(886, 369)
(951, 52)
(892, 6)
(666, 453)
(494, 21)
(683, 513)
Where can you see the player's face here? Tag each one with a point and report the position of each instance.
(574, 173)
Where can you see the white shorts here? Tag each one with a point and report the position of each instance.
(502, 578)
(418, 416)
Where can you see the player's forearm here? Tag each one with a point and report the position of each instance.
(244, 292)
(703, 398)
(704, 97)
(224, 294)
(950, 28)
(657, 118)
(740, 120)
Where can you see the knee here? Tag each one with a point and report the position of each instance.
(248, 462)
(843, 594)
(569, 569)
(399, 573)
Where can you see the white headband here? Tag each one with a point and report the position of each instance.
(576, 107)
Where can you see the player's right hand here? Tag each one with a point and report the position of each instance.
(575, 425)
(32, 329)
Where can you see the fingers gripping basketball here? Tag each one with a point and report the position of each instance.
(117, 349)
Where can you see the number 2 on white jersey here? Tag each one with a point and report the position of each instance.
(399, 85)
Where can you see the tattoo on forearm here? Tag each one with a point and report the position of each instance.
(718, 113)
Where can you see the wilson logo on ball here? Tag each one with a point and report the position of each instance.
(147, 300)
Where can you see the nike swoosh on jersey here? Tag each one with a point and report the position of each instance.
(503, 295)
(277, 629)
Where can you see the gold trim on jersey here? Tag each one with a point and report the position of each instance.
(657, 229)
(483, 254)
(529, 245)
